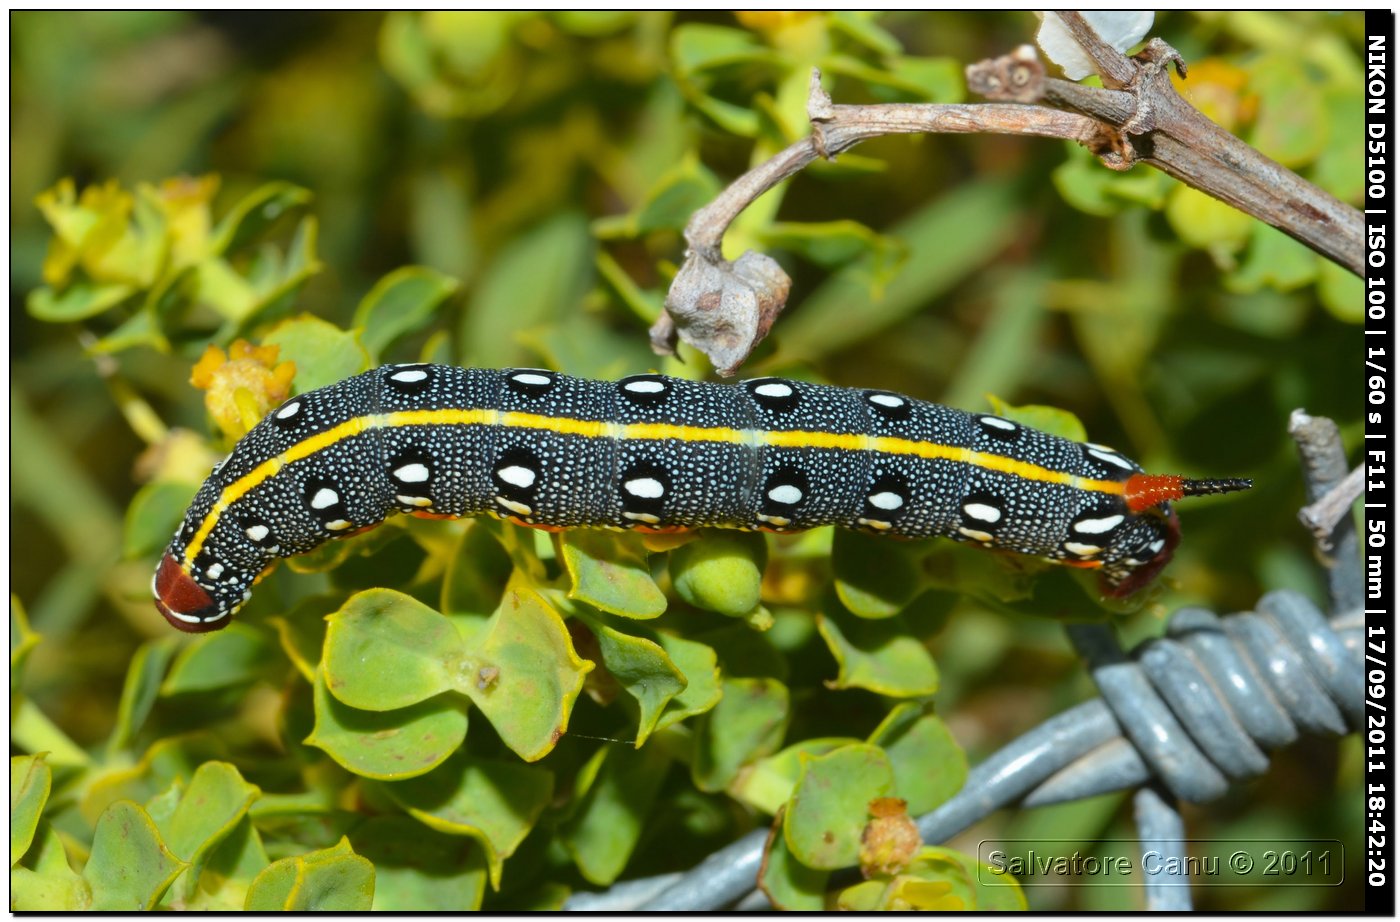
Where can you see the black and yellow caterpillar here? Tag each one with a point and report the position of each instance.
(653, 452)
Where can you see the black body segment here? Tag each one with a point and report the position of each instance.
(545, 449)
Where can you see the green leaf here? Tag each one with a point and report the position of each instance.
(211, 807)
(420, 870)
(836, 243)
(968, 884)
(608, 822)
(1207, 223)
(947, 241)
(929, 765)
(51, 885)
(255, 213)
(30, 781)
(641, 667)
(230, 870)
(874, 577)
(610, 572)
(174, 758)
(537, 277)
(236, 655)
(1291, 124)
(302, 632)
(681, 191)
(153, 516)
(830, 806)
(1047, 419)
(78, 301)
(1342, 292)
(130, 867)
(528, 675)
(387, 650)
(721, 572)
(881, 656)
(323, 354)
(746, 725)
(769, 783)
(494, 802)
(331, 880)
(139, 692)
(389, 745)
(788, 883)
(401, 302)
(700, 668)
(1273, 259)
(22, 640)
(699, 46)
(475, 579)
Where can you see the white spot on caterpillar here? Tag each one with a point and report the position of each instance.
(1097, 526)
(1156, 546)
(1083, 550)
(776, 521)
(775, 389)
(256, 532)
(1108, 454)
(982, 512)
(996, 422)
(877, 524)
(513, 506)
(419, 501)
(410, 376)
(324, 498)
(412, 473)
(645, 488)
(646, 517)
(645, 386)
(786, 493)
(338, 525)
(215, 570)
(886, 400)
(530, 379)
(886, 500)
(974, 534)
(290, 410)
(188, 619)
(517, 476)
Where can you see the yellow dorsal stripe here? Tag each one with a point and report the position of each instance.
(644, 431)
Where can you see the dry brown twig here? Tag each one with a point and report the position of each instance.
(724, 309)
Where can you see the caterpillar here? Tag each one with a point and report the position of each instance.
(651, 452)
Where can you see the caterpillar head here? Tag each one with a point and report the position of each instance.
(203, 599)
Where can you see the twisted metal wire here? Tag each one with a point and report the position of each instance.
(1180, 717)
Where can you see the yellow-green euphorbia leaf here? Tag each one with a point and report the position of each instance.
(389, 745)
(831, 803)
(418, 869)
(331, 880)
(236, 655)
(641, 667)
(881, 656)
(788, 883)
(768, 784)
(874, 577)
(746, 725)
(399, 303)
(929, 765)
(527, 675)
(208, 810)
(607, 824)
(494, 802)
(130, 867)
(700, 668)
(30, 781)
(323, 353)
(610, 573)
(386, 650)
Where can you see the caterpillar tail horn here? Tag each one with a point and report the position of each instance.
(1143, 491)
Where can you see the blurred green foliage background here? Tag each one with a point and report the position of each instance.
(542, 165)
